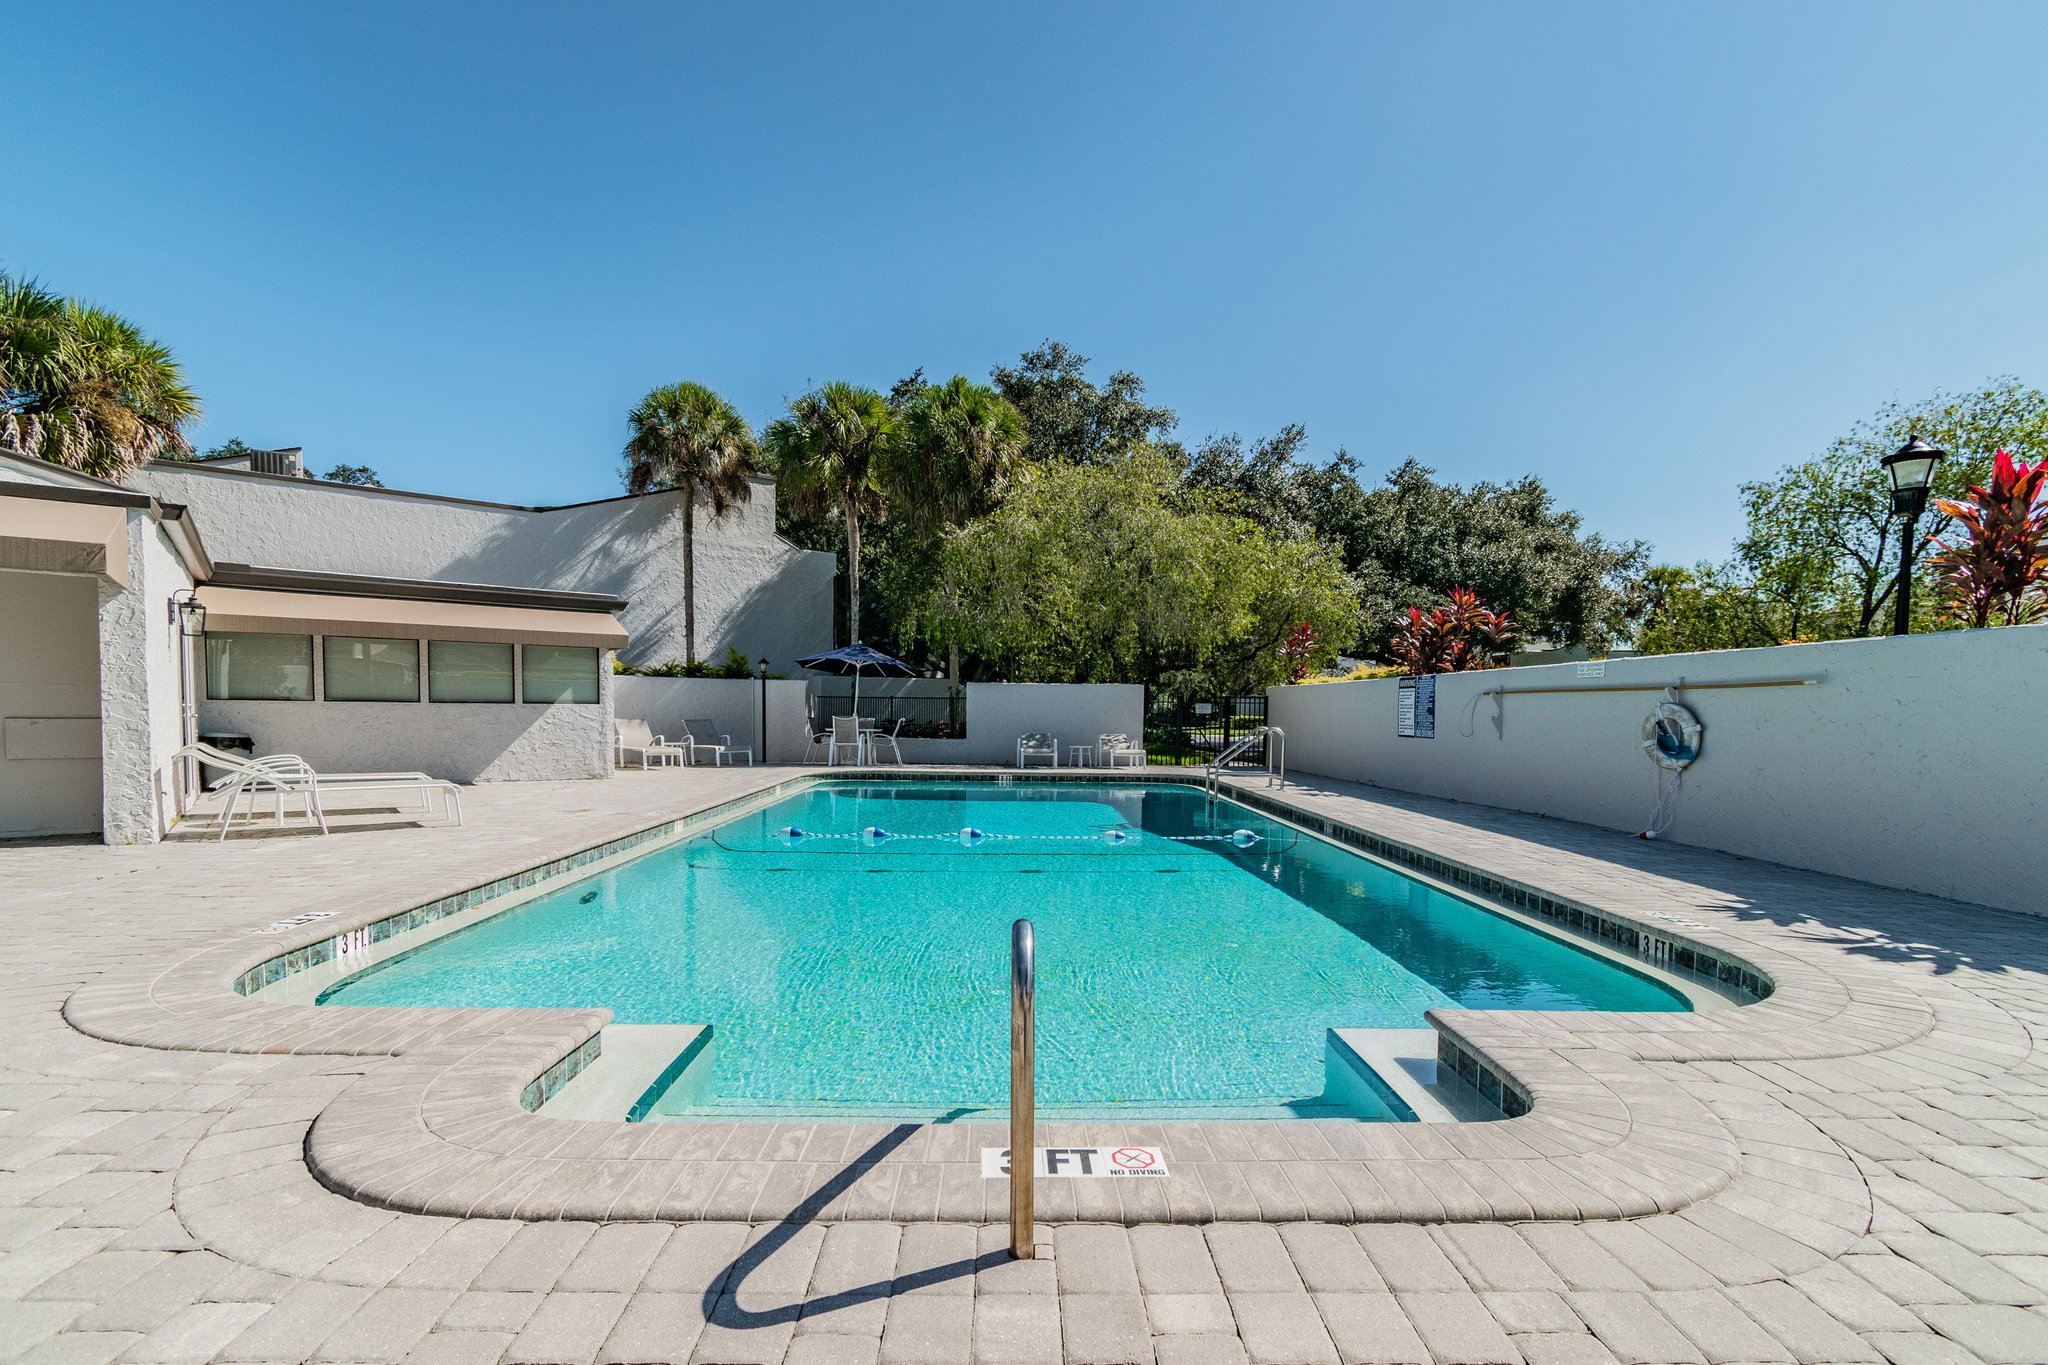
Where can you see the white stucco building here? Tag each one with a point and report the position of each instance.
(360, 628)
(755, 591)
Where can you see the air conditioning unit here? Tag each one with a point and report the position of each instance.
(290, 462)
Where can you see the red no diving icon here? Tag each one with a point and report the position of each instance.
(1132, 1158)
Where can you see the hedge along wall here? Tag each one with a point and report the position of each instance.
(1919, 762)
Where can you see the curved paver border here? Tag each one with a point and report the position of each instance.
(436, 1125)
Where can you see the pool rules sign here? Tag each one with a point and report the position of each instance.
(1079, 1163)
(1416, 716)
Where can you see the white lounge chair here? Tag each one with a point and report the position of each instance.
(287, 776)
(635, 737)
(703, 734)
(1110, 750)
(1037, 744)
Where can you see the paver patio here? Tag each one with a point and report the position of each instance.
(1854, 1169)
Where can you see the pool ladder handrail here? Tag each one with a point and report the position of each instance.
(1023, 1088)
(1276, 757)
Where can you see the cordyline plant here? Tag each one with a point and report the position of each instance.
(1297, 649)
(1453, 639)
(2000, 574)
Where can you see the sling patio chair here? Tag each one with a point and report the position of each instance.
(879, 739)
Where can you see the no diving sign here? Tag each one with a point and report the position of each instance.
(1083, 1163)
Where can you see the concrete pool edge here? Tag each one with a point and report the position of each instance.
(439, 1128)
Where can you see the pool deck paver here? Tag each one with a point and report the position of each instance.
(1883, 1192)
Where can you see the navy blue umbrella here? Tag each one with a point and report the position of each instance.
(854, 660)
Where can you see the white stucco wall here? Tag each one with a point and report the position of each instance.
(755, 591)
(734, 704)
(49, 667)
(460, 741)
(997, 713)
(138, 684)
(164, 575)
(1916, 764)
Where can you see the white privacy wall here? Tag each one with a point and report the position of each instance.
(755, 591)
(997, 713)
(733, 705)
(1919, 762)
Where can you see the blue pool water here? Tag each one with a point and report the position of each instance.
(855, 972)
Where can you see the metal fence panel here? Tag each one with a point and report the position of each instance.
(1193, 731)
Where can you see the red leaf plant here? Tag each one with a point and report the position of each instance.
(1464, 635)
(1296, 650)
(1999, 576)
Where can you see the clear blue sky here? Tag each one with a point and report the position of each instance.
(1646, 251)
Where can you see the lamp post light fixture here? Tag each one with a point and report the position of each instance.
(188, 614)
(1911, 467)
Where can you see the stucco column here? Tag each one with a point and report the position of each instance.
(127, 689)
(607, 681)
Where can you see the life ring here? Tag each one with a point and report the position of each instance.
(1671, 736)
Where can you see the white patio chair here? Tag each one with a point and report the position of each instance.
(703, 734)
(1037, 744)
(877, 740)
(634, 736)
(845, 735)
(285, 776)
(1110, 750)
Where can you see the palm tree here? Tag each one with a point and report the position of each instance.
(84, 388)
(952, 460)
(957, 445)
(827, 451)
(686, 437)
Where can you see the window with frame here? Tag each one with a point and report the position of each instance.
(242, 666)
(361, 669)
(552, 674)
(469, 670)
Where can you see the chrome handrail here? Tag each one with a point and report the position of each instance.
(1023, 1084)
(1276, 756)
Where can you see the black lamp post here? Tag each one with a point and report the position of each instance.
(1912, 469)
(761, 672)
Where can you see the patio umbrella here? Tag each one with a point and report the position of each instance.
(853, 661)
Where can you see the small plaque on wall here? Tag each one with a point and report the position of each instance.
(1416, 718)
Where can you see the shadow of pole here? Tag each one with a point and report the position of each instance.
(721, 1298)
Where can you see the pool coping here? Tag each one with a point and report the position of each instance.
(438, 1126)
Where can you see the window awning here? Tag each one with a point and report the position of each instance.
(51, 536)
(312, 613)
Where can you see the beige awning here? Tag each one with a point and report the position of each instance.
(50, 536)
(311, 613)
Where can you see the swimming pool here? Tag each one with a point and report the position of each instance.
(849, 947)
